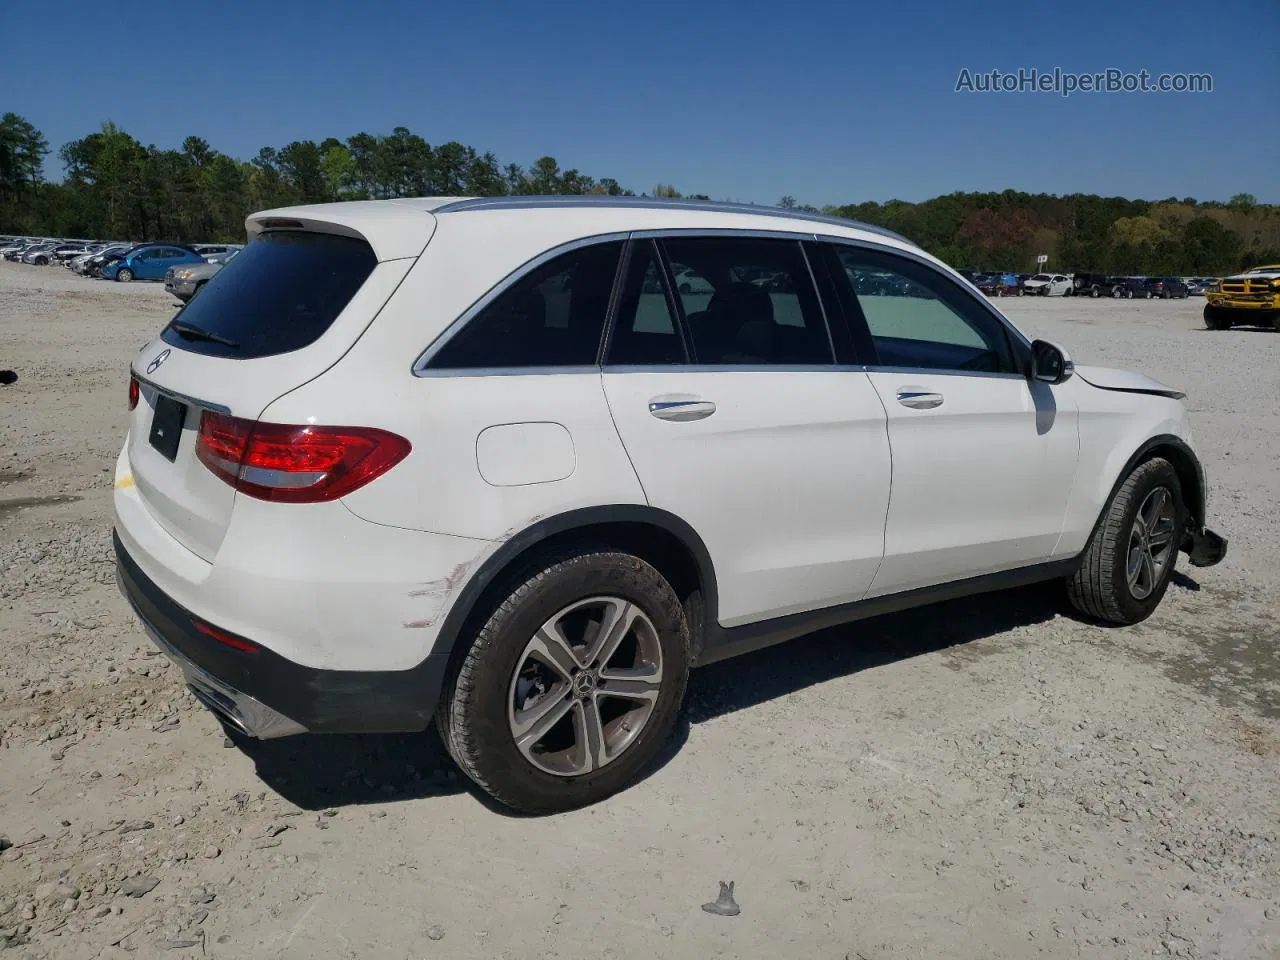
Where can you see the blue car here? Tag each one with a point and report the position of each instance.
(148, 262)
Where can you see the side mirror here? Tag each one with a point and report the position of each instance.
(1050, 363)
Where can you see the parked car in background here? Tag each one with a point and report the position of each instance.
(999, 285)
(92, 266)
(65, 251)
(1169, 288)
(39, 254)
(1149, 288)
(689, 282)
(216, 251)
(225, 256)
(1048, 285)
(1132, 288)
(1092, 285)
(81, 264)
(13, 250)
(149, 262)
(184, 282)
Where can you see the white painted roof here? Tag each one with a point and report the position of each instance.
(402, 227)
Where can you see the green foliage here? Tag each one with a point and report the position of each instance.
(1006, 231)
(116, 188)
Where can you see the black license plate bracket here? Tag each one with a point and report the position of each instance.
(166, 426)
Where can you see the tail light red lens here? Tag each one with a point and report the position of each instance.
(228, 639)
(133, 391)
(288, 463)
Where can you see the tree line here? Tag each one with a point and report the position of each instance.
(115, 187)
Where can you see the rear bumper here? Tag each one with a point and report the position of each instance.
(266, 695)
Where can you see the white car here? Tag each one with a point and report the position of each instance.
(476, 461)
(1048, 285)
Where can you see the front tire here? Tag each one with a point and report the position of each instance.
(1215, 318)
(1130, 557)
(573, 684)
(124, 275)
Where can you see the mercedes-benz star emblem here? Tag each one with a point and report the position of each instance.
(161, 357)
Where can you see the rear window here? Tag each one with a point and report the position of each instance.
(280, 294)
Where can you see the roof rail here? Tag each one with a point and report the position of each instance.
(658, 203)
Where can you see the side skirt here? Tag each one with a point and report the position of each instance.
(725, 642)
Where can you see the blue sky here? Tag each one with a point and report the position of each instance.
(831, 102)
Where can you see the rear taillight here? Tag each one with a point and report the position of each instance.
(295, 464)
(133, 391)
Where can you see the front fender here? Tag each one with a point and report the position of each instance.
(1117, 432)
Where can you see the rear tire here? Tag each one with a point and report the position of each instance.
(1215, 318)
(124, 275)
(1130, 559)
(502, 680)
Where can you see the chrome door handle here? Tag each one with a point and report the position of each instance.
(681, 411)
(919, 399)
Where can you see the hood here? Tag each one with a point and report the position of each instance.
(1266, 273)
(1125, 381)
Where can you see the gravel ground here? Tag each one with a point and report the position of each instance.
(987, 778)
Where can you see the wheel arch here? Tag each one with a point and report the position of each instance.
(660, 538)
(1185, 463)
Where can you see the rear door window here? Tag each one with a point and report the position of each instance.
(280, 294)
(748, 301)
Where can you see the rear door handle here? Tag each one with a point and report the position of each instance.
(919, 399)
(681, 409)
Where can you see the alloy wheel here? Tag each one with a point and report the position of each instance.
(585, 686)
(1150, 543)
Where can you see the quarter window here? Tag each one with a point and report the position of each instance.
(551, 317)
(918, 318)
(748, 301)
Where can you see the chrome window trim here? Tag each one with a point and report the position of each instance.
(505, 371)
(945, 372)
(420, 368)
(656, 203)
(731, 368)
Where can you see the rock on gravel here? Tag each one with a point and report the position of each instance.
(139, 886)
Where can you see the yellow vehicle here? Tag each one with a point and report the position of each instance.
(1252, 298)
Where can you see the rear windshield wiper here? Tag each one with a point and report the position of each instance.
(190, 331)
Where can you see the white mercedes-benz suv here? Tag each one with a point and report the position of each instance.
(485, 462)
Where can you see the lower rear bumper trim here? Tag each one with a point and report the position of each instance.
(267, 695)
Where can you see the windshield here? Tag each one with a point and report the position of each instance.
(1041, 276)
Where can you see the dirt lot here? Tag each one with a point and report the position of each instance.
(983, 779)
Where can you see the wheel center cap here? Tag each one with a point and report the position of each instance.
(584, 684)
